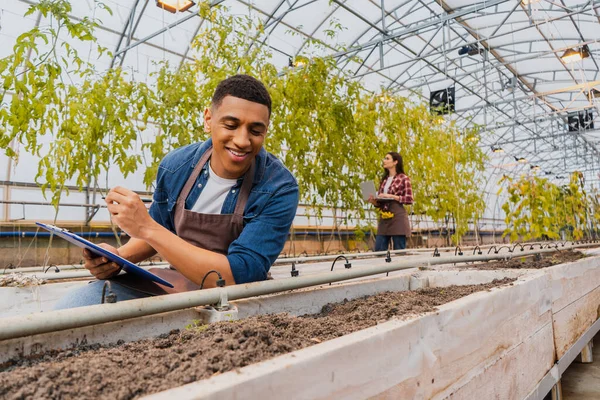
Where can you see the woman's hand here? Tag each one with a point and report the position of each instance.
(372, 200)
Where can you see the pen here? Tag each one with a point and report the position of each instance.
(141, 198)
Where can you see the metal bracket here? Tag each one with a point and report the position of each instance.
(91, 213)
(209, 314)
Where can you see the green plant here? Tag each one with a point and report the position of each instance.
(328, 129)
(537, 208)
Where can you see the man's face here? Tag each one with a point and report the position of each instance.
(238, 128)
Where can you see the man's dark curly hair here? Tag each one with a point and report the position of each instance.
(244, 87)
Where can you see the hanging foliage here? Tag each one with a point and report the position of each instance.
(88, 116)
(539, 209)
(328, 129)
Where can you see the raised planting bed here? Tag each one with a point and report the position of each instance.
(495, 343)
(538, 261)
(575, 301)
(129, 370)
(575, 290)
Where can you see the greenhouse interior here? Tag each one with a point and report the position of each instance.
(304, 199)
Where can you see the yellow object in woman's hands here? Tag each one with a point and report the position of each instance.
(386, 214)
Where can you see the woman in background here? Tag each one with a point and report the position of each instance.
(394, 190)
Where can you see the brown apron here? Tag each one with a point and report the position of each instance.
(214, 232)
(397, 225)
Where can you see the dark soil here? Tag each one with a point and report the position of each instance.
(130, 370)
(544, 260)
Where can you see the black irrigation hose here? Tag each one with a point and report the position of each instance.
(495, 250)
(515, 246)
(57, 270)
(501, 247)
(436, 252)
(218, 280)
(294, 272)
(347, 265)
(458, 251)
(479, 250)
(388, 259)
(9, 266)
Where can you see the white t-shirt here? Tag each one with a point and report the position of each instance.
(388, 183)
(214, 194)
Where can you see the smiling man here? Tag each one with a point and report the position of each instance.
(224, 205)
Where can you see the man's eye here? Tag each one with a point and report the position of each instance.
(256, 133)
(230, 127)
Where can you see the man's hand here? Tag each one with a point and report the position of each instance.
(128, 211)
(99, 266)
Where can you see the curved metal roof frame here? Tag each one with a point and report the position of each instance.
(411, 47)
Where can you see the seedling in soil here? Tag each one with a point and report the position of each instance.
(196, 326)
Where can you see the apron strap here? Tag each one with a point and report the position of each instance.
(192, 179)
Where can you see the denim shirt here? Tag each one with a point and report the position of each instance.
(268, 214)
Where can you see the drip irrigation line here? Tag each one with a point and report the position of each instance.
(53, 321)
(220, 281)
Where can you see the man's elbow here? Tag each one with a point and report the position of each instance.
(247, 269)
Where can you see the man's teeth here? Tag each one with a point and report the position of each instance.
(235, 153)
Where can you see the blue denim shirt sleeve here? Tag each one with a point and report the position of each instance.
(160, 202)
(251, 255)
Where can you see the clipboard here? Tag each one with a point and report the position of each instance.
(368, 189)
(78, 241)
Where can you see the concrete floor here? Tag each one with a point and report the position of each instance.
(582, 381)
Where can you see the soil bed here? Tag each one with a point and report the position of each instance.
(530, 262)
(130, 370)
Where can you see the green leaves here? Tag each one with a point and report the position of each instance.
(537, 208)
(329, 130)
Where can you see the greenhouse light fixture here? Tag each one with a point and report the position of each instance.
(174, 6)
(521, 160)
(535, 167)
(497, 149)
(298, 62)
(471, 49)
(572, 55)
(595, 93)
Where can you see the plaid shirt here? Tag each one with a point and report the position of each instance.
(400, 187)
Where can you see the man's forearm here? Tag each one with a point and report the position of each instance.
(136, 250)
(193, 262)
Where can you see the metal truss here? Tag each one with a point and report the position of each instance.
(412, 48)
